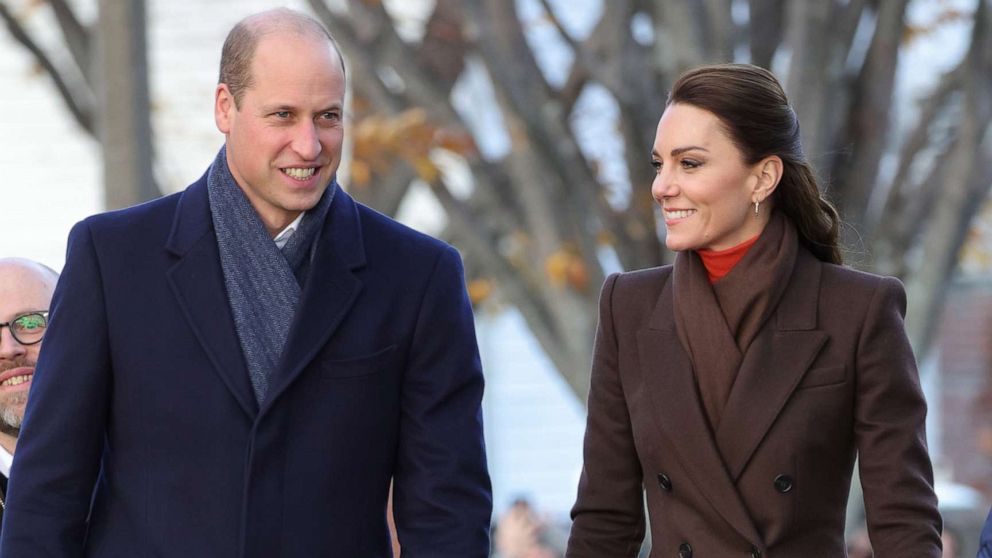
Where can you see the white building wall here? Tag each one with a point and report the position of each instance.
(534, 423)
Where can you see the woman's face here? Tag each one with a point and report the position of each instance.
(704, 187)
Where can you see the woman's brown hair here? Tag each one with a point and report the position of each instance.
(753, 108)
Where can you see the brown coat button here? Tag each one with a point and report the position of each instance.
(685, 550)
(755, 552)
(783, 483)
(664, 482)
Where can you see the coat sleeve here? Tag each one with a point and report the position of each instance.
(442, 494)
(985, 550)
(890, 415)
(61, 440)
(608, 516)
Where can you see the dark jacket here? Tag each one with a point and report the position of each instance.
(142, 403)
(830, 375)
(985, 550)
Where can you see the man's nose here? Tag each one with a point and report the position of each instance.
(306, 141)
(10, 347)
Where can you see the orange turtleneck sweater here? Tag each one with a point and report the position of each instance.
(719, 262)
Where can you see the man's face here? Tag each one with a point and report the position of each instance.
(284, 141)
(24, 288)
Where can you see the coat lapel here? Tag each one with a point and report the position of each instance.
(197, 281)
(772, 368)
(328, 294)
(679, 414)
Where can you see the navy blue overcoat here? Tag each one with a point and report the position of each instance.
(143, 438)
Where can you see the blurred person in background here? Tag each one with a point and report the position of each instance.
(241, 368)
(949, 539)
(26, 289)
(737, 386)
(522, 533)
(859, 545)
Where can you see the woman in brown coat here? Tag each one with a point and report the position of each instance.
(736, 387)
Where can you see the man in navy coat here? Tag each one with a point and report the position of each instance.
(243, 368)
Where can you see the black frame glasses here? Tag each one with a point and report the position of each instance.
(23, 323)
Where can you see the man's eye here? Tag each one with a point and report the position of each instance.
(30, 322)
(329, 115)
(281, 114)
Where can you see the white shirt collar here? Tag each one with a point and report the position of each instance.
(283, 237)
(6, 460)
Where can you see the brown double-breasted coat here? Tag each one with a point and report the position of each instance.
(830, 376)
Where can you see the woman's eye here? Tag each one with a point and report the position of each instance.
(656, 165)
(690, 164)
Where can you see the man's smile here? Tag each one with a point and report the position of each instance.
(299, 173)
(15, 377)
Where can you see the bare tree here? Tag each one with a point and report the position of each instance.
(104, 83)
(541, 216)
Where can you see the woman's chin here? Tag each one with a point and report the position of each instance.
(675, 245)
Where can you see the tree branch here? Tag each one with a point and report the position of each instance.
(718, 26)
(905, 208)
(420, 89)
(765, 25)
(527, 299)
(964, 185)
(540, 131)
(363, 64)
(81, 109)
(677, 39)
(871, 111)
(846, 25)
(556, 22)
(444, 47)
(77, 38)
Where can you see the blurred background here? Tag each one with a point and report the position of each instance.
(519, 131)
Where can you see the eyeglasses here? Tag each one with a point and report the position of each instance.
(28, 329)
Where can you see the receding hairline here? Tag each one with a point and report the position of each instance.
(249, 33)
(283, 19)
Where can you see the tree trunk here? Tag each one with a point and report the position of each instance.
(124, 127)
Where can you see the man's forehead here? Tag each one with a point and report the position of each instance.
(24, 287)
(278, 85)
(281, 39)
(274, 47)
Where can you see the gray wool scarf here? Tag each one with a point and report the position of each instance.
(263, 282)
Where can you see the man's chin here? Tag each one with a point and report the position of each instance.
(9, 429)
(11, 416)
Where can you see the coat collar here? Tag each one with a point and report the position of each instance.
(197, 280)
(772, 368)
(330, 291)
(679, 414)
(770, 372)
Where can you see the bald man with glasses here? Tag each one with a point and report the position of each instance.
(25, 292)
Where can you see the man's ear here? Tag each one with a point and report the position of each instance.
(768, 172)
(224, 108)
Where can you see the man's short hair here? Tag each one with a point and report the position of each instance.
(239, 47)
